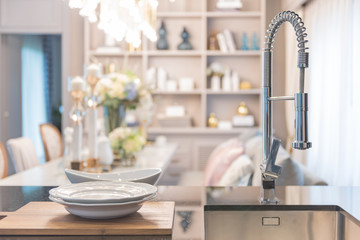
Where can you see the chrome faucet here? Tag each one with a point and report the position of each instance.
(270, 171)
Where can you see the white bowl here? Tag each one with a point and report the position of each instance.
(102, 211)
(150, 176)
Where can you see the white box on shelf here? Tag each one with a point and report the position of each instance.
(229, 4)
(175, 111)
(171, 85)
(243, 121)
(186, 84)
(166, 121)
(224, 125)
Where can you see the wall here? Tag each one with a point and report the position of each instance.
(76, 37)
(11, 86)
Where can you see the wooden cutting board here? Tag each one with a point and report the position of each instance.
(49, 218)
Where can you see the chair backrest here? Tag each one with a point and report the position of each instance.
(22, 153)
(52, 141)
(3, 162)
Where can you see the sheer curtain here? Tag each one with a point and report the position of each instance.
(334, 85)
(32, 92)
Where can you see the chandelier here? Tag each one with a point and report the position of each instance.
(121, 19)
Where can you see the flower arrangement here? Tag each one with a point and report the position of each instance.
(119, 92)
(215, 69)
(125, 142)
(120, 89)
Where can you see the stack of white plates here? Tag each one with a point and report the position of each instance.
(104, 199)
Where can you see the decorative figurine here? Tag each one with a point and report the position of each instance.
(255, 42)
(215, 71)
(215, 82)
(235, 81)
(243, 110)
(162, 43)
(77, 113)
(213, 43)
(213, 121)
(185, 45)
(245, 85)
(92, 77)
(226, 80)
(245, 42)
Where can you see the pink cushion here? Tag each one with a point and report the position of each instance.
(221, 158)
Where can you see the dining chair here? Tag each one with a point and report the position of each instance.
(22, 153)
(3, 162)
(52, 141)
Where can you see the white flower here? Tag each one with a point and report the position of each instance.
(127, 140)
(117, 90)
(102, 87)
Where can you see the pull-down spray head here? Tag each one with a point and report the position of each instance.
(301, 122)
(301, 106)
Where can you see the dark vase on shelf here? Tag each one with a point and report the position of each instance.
(162, 43)
(185, 45)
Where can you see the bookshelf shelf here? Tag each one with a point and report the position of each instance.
(198, 130)
(180, 14)
(170, 53)
(194, 92)
(115, 53)
(256, 91)
(237, 14)
(235, 53)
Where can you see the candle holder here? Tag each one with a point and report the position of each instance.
(92, 78)
(77, 113)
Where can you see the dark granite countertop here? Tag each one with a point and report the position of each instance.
(190, 201)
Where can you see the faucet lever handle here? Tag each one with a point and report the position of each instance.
(271, 169)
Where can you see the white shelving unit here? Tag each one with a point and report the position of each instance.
(199, 18)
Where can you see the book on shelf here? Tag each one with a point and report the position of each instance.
(229, 39)
(222, 42)
(226, 41)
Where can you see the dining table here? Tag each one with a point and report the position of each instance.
(52, 173)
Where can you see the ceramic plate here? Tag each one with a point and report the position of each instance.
(102, 210)
(150, 176)
(103, 192)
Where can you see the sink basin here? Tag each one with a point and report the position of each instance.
(296, 222)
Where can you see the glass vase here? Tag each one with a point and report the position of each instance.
(114, 117)
(125, 160)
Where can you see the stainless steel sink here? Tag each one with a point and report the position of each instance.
(296, 222)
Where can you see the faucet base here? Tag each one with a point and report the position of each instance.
(267, 195)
